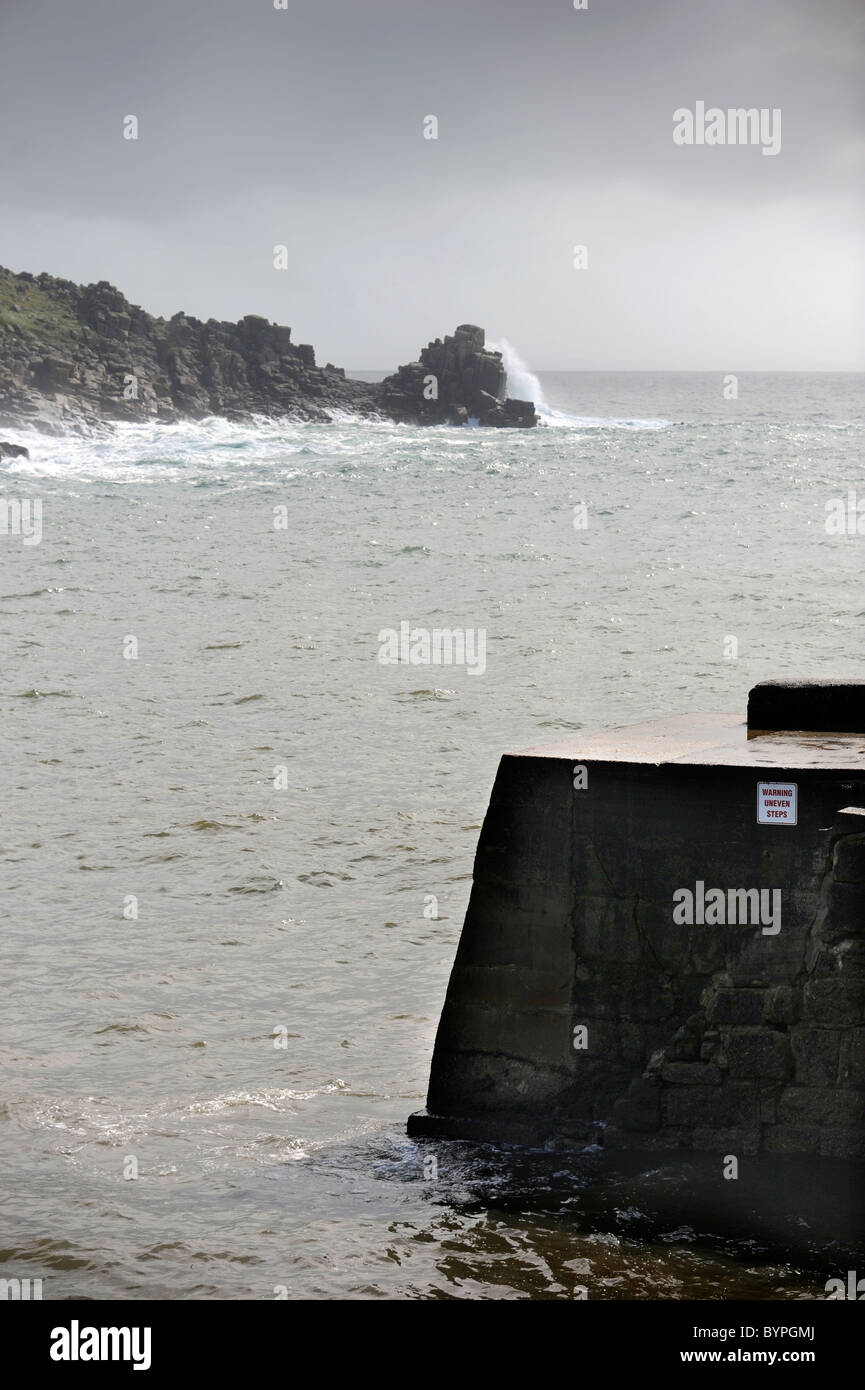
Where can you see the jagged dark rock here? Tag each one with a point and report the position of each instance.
(13, 451)
(454, 381)
(74, 356)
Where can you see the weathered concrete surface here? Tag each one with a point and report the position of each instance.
(737, 1038)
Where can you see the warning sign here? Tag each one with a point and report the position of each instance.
(776, 803)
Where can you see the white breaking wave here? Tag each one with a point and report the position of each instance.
(255, 452)
(193, 450)
(522, 385)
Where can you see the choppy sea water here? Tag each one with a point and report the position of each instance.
(251, 1042)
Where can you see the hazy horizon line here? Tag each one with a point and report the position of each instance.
(664, 371)
(388, 371)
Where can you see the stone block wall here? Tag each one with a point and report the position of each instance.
(579, 1010)
(770, 1068)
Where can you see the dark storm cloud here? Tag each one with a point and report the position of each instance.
(304, 127)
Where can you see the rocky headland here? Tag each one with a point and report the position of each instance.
(76, 356)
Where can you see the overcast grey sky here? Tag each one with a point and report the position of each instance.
(304, 127)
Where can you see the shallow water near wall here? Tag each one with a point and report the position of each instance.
(252, 1041)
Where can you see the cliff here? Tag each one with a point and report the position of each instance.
(72, 356)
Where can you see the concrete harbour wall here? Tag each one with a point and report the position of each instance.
(580, 1010)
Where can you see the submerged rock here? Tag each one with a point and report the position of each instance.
(13, 451)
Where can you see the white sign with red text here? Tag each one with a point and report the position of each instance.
(777, 803)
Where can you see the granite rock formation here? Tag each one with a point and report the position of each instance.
(74, 356)
(13, 451)
(455, 381)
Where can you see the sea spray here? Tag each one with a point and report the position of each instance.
(523, 385)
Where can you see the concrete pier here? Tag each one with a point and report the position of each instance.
(664, 947)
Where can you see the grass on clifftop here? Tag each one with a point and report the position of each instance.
(36, 314)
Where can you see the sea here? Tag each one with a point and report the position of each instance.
(236, 846)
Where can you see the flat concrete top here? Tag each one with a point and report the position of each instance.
(714, 740)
